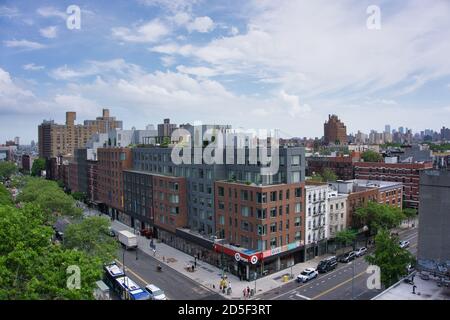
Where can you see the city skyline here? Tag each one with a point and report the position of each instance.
(252, 65)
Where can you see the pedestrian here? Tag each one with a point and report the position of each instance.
(245, 293)
(248, 291)
(192, 268)
(195, 263)
(154, 252)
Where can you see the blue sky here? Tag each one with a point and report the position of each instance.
(252, 64)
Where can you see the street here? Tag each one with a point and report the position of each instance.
(175, 285)
(337, 284)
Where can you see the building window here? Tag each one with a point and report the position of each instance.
(295, 160)
(297, 222)
(261, 197)
(298, 207)
(298, 236)
(245, 211)
(273, 212)
(262, 230)
(273, 196)
(273, 227)
(298, 192)
(261, 213)
(273, 243)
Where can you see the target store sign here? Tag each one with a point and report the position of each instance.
(238, 256)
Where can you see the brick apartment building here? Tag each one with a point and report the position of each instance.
(341, 165)
(406, 173)
(335, 132)
(260, 218)
(111, 163)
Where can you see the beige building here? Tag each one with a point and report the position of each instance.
(63, 139)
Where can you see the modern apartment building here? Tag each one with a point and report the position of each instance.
(63, 139)
(406, 173)
(190, 219)
(335, 132)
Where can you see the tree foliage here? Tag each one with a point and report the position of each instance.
(346, 237)
(49, 197)
(375, 216)
(31, 266)
(371, 156)
(391, 259)
(5, 197)
(79, 196)
(91, 235)
(37, 167)
(7, 169)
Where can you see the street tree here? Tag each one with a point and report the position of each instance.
(375, 216)
(91, 235)
(37, 167)
(371, 156)
(392, 260)
(49, 197)
(346, 237)
(5, 197)
(7, 169)
(32, 266)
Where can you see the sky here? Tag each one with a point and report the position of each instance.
(255, 64)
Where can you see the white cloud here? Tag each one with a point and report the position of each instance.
(172, 5)
(168, 61)
(198, 71)
(49, 32)
(93, 68)
(149, 32)
(9, 12)
(78, 104)
(293, 104)
(181, 18)
(32, 67)
(234, 31)
(201, 24)
(51, 12)
(312, 48)
(23, 44)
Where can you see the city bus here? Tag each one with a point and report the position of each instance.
(112, 272)
(127, 289)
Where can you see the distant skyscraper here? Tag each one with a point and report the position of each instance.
(387, 128)
(17, 141)
(401, 130)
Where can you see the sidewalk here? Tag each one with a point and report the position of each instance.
(208, 275)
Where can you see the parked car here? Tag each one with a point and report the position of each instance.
(327, 264)
(307, 274)
(404, 244)
(155, 292)
(347, 257)
(360, 251)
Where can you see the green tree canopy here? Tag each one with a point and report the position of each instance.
(5, 197)
(346, 237)
(32, 267)
(391, 259)
(375, 216)
(79, 196)
(37, 167)
(49, 197)
(7, 169)
(371, 156)
(91, 235)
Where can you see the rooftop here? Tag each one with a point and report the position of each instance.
(425, 290)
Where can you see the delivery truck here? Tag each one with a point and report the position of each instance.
(127, 239)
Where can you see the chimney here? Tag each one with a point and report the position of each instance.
(70, 118)
(105, 113)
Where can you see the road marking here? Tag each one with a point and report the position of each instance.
(337, 286)
(303, 297)
(133, 273)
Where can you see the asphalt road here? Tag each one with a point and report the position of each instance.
(337, 284)
(175, 285)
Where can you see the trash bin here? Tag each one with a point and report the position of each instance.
(285, 278)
